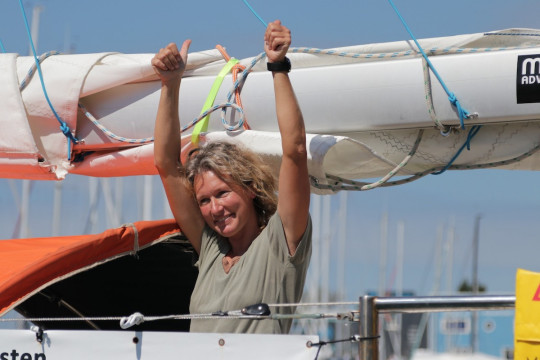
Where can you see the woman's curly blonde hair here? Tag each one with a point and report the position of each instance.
(236, 165)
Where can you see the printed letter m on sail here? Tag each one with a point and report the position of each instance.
(528, 79)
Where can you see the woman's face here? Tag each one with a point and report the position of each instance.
(227, 209)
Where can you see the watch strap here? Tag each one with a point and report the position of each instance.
(282, 66)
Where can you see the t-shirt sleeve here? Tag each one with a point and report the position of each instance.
(278, 242)
(206, 242)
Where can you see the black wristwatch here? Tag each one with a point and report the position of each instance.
(282, 66)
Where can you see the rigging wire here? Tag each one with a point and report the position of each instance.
(255, 13)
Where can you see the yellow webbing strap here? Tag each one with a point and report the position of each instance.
(202, 125)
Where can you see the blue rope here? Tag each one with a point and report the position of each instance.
(255, 13)
(472, 133)
(63, 125)
(461, 111)
(2, 47)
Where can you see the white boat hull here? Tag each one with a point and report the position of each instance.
(118, 345)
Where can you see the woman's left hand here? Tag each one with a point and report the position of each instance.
(277, 40)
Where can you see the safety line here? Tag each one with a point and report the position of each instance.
(63, 125)
(138, 318)
(233, 314)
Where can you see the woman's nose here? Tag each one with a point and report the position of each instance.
(215, 205)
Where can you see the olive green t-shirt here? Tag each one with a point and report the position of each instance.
(266, 273)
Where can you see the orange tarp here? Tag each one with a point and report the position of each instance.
(28, 265)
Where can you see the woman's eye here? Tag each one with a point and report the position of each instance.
(222, 194)
(203, 202)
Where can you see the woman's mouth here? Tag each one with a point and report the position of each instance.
(222, 220)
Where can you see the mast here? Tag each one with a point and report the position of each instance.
(147, 198)
(399, 285)
(475, 287)
(57, 205)
(36, 14)
(382, 272)
(382, 259)
(25, 200)
(26, 184)
(342, 239)
(325, 259)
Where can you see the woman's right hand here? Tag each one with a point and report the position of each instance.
(169, 63)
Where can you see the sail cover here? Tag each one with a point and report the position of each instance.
(53, 276)
(363, 106)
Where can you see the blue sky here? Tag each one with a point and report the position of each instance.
(509, 202)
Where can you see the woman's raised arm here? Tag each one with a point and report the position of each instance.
(169, 63)
(294, 191)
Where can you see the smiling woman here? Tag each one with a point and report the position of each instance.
(253, 248)
(224, 175)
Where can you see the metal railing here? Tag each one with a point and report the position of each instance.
(371, 307)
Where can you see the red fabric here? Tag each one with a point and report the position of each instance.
(28, 264)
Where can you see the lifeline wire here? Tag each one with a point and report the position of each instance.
(138, 318)
(451, 96)
(233, 314)
(63, 125)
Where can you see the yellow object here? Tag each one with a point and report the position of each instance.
(202, 125)
(527, 318)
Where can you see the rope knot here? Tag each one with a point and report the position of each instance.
(65, 129)
(134, 319)
(462, 113)
(452, 98)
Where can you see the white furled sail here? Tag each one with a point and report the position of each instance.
(366, 109)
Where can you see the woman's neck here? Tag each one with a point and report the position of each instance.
(241, 242)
